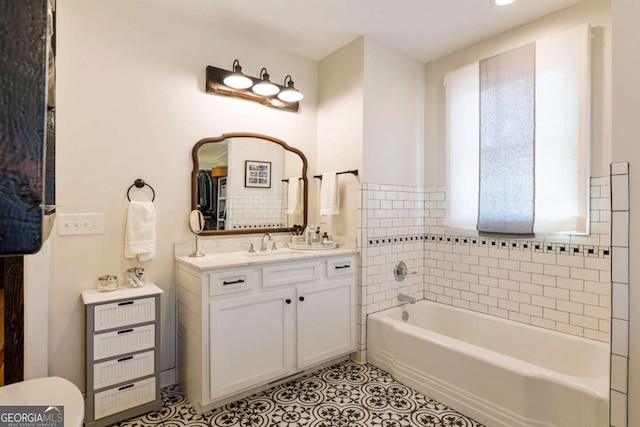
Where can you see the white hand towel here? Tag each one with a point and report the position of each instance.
(293, 195)
(140, 232)
(329, 194)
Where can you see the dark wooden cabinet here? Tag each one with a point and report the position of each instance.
(23, 124)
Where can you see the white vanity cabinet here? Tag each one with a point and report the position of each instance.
(243, 327)
(251, 341)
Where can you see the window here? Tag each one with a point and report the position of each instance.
(518, 139)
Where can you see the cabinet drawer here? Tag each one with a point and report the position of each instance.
(118, 399)
(289, 274)
(340, 266)
(123, 341)
(232, 281)
(122, 313)
(123, 369)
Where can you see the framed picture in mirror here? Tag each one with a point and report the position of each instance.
(257, 174)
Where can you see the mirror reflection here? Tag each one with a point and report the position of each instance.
(242, 183)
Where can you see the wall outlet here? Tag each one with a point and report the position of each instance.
(76, 224)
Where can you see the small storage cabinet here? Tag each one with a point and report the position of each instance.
(122, 332)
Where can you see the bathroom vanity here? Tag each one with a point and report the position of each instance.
(247, 320)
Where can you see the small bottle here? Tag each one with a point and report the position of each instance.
(325, 238)
(317, 238)
(310, 235)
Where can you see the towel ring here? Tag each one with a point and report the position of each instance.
(139, 183)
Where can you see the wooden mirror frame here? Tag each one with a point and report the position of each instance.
(194, 182)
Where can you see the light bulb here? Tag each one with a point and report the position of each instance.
(290, 95)
(238, 81)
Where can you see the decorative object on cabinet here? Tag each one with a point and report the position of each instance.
(233, 211)
(261, 90)
(257, 174)
(247, 325)
(122, 332)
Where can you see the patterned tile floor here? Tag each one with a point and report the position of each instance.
(343, 395)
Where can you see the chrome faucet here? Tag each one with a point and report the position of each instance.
(406, 298)
(263, 244)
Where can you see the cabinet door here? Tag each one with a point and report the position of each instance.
(326, 321)
(252, 341)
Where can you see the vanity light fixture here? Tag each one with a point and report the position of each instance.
(265, 87)
(236, 84)
(236, 79)
(290, 94)
(502, 2)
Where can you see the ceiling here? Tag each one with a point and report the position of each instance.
(422, 29)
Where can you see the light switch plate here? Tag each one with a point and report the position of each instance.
(77, 224)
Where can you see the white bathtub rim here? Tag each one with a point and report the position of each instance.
(400, 308)
(464, 402)
(595, 386)
(599, 345)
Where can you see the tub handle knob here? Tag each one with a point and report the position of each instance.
(401, 271)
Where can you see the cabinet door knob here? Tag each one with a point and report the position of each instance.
(301, 298)
(288, 301)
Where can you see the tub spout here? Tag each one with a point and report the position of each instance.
(406, 298)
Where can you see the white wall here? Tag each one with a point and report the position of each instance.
(626, 128)
(597, 12)
(131, 104)
(393, 116)
(340, 132)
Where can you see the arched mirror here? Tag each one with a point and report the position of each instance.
(242, 183)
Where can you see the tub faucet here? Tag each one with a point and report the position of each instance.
(406, 298)
(263, 244)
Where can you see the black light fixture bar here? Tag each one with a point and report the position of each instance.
(215, 84)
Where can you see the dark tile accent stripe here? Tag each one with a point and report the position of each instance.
(496, 243)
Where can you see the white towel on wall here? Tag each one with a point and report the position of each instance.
(293, 195)
(140, 231)
(329, 194)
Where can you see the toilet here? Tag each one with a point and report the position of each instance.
(49, 391)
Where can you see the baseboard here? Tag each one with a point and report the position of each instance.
(168, 377)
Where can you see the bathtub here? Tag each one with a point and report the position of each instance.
(498, 372)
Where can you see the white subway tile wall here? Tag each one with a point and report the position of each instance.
(620, 294)
(392, 229)
(255, 212)
(555, 282)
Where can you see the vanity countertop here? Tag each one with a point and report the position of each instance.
(239, 259)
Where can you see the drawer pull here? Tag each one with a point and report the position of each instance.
(288, 301)
(338, 267)
(301, 299)
(124, 331)
(125, 387)
(235, 282)
(125, 358)
(125, 303)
